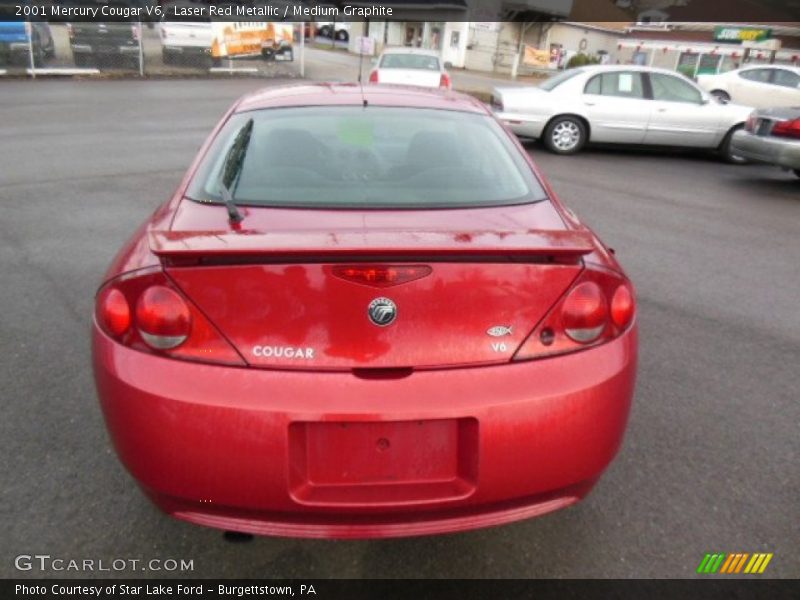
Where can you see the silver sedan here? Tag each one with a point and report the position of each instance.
(772, 136)
(620, 105)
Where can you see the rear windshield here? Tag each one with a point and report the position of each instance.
(409, 61)
(556, 80)
(373, 157)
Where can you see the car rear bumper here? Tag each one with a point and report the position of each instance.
(204, 50)
(126, 50)
(772, 150)
(336, 455)
(523, 125)
(15, 48)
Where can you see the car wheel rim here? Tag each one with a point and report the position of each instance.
(566, 135)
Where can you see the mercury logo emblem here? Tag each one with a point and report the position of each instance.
(382, 311)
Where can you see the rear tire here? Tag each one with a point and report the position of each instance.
(726, 151)
(83, 60)
(39, 53)
(797, 172)
(723, 97)
(565, 135)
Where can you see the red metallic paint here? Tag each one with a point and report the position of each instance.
(447, 434)
(214, 444)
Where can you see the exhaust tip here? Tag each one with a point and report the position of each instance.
(237, 537)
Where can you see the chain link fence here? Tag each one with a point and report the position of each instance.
(145, 49)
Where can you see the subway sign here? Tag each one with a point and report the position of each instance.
(742, 34)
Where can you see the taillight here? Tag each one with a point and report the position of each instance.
(787, 129)
(445, 82)
(584, 313)
(163, 321)
(381, 275)
(622, 306)
(373, 76)
(596, 309)
(497, 103)
(752, 120)
(113, 311)
(163, 318)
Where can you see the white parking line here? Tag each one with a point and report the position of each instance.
(63, 71)
(233, 70)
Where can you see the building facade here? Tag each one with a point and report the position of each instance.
(502, 46)
(703, 48)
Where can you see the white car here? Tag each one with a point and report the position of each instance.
(410, 66)
(763, 86)
(620, 104)
(186, 40)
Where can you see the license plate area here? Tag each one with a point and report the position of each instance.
(381, 463)
(764, 127)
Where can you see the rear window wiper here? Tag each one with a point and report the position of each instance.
(232, 169)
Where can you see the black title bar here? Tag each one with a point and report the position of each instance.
(729, 11)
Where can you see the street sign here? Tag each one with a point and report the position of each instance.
(366, 45)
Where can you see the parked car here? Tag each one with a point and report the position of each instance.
(92, 42)
(339, 30)
(188, 41)
(619, 105)
(772, 136)
(762, 86)
(14, 36)
(364, 314)
(410, 66)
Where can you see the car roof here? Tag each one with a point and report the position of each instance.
(752, 66)
(353, 94)
(639, 68)
(405, 50)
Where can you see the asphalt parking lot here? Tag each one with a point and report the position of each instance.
(710, 460)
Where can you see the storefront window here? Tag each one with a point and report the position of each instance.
(687, 63)
(709, 64)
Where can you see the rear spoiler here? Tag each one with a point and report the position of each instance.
(367, 244)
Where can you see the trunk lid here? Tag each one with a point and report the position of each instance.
(187, 35)
(287, 299)
(418, 77)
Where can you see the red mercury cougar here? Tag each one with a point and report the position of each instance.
(364, 313)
